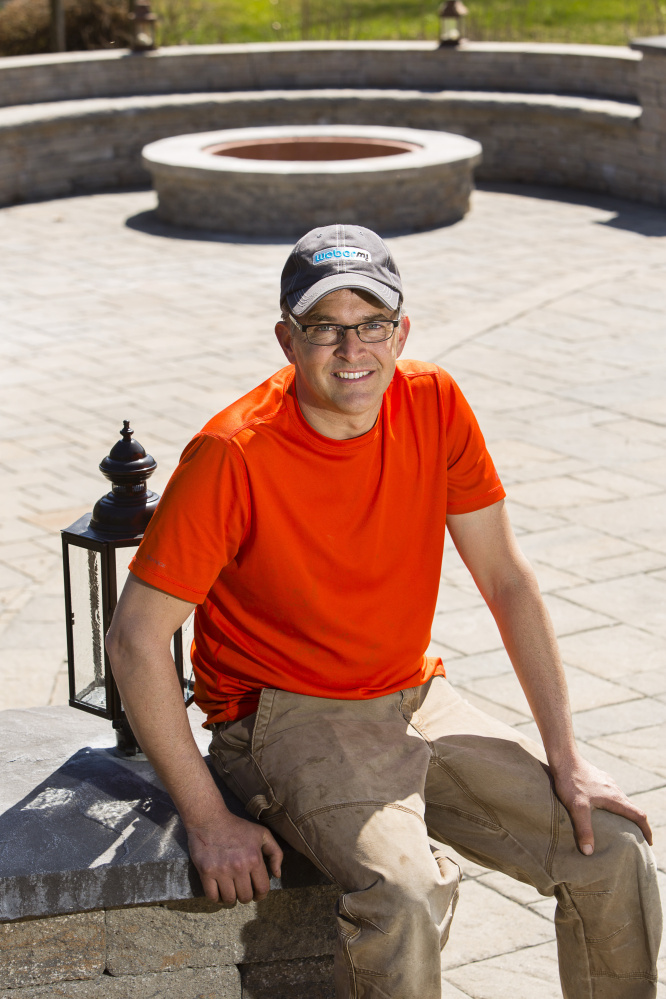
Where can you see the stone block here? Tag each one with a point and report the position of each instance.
(192, 983)
(311, 978)
(39, 951)
(94, 832)
(291, 924)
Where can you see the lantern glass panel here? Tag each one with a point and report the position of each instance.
(188, 638)
(123, 558)
(85, 568)
(450, 29)
(144, 34)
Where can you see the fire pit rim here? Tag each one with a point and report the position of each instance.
(184, 153)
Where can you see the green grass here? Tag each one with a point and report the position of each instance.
(600, 22)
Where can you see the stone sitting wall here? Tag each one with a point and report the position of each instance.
(178, 950)
(581, 116)
(98, 898)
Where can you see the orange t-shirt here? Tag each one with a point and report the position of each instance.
(315, 563)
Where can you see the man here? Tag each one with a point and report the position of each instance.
(306, 525)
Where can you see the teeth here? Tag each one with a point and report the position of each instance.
(351, 374)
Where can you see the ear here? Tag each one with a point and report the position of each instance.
(285, 338)
(401, 334)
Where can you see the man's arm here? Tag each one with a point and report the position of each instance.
(227, 851)
(488, 547)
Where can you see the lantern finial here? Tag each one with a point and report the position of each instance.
(129, 506)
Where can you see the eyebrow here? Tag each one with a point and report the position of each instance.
(319, 317)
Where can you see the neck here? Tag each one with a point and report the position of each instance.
(337, 426)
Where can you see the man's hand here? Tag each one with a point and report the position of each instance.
(580, 786)
(229, 855)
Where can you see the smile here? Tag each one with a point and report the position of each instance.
(351, 374)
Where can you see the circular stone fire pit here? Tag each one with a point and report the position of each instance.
(285, 180)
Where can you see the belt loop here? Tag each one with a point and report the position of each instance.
(264, 709)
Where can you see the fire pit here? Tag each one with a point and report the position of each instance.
(285, 180)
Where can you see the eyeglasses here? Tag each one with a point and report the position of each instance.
(330, 334)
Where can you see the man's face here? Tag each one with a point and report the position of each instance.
(340, 388)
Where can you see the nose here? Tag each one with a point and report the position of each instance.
(351, 346)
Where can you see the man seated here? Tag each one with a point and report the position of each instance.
(306, 524)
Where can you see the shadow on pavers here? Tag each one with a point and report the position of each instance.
(632, 216)
(149, 223)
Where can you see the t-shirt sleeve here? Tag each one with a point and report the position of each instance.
(199, 523)
(473, 482)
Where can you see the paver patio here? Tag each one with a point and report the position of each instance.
(548, 308)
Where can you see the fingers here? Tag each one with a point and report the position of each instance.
(240, 881)
(581, 816)
(244, 889)
(210, 887)
(272, 851)
(623, 806)
(232, 861)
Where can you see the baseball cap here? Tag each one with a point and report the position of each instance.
(339, 256)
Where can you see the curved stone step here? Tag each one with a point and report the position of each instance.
(63, 147)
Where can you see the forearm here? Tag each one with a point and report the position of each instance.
(153, 701)
(505, 578)
(529, 638)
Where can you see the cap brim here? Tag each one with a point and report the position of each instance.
(300, 302)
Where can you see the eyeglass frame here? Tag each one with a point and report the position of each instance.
(341, 327)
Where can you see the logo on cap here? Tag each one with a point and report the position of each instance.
(341, 253)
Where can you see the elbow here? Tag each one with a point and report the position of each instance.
(517, 582)
(119, 646)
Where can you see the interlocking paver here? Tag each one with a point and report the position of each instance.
(615, 652)
(505, 977)
(506, 926)
(549, 315)
(646, 747)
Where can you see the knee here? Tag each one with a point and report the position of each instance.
(620, 848)
(614, 891)
(412, 899)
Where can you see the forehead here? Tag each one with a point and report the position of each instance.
(343, 302)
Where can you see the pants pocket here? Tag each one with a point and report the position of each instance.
(232, 758)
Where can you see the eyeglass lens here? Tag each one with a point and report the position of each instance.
(373, 332)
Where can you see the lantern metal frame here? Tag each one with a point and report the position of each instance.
(141, 17)
(117, 522)
(452, 10)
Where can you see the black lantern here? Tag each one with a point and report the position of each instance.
(143, 24)
(452, 16)
(96, 551)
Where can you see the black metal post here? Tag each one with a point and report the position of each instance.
(58, 38)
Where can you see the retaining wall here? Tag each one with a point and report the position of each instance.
(98, 897)
(591, 117)
(583, 69)
(178, 950)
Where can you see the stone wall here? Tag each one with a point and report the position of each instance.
(98, 897)
(650, 164)
(178, 950)
(582, 116)
(610, 71)
(52, 150)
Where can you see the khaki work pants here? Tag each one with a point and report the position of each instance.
(357, 786)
